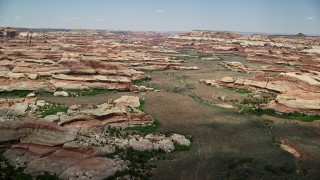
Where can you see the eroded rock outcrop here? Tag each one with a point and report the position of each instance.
(66, 60)
(35, 132)
(236, 66)
(296, 91)
(73, 144)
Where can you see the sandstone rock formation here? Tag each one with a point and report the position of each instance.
(55, 61)
(86, 141)
(236, 66)
(72, 144)
(296, 91)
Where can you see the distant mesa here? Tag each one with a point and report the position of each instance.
(301, 35)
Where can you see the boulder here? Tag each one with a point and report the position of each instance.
(41, 103)
(141, 145)
(227, 80)
(164, 144)
(52, 118)
(132, 101)
(61, 93)
(180, 139)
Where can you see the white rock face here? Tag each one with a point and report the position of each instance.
(33, 76)
(121, 142)
(180, 139)
(74, 107)
(314, 50)
(144, 88)
(61, 93)
(41, 103)
(164, 144)
(228, 79)
(132, 101)
(141, 145)
(31, 95)
(24, 34)
(52, 118)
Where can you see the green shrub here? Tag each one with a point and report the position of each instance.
(260, 111)
(19, 93)
(53, 110)
(141, 156)
(139, 162)
(179, 147)
(301, 116)
(146, 129)
(189, 137)
(243, 91)
(293, 115)
(47, 176)
(204, 55)
(142, 104)
(187, 52)
(231, 88)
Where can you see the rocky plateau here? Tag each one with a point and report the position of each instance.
(86, 104)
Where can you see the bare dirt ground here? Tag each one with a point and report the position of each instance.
(226, 144)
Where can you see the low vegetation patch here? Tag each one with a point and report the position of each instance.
(145, 129)
(231, 88)
(206, 55)
(179, 147)
(301, 116)
(47, 176)
(240, 91)
(189, 137)
(243, 91)
(19, 93)
(189, 55)
(260, 111)
(142, 156)
(294, 115)
(51, 108)
(142, 104)
(139, 166)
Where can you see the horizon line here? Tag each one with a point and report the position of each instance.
(245, 33)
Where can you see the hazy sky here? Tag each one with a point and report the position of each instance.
(278, 16)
